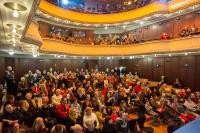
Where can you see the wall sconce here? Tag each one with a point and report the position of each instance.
(157, 65)
(186, 65)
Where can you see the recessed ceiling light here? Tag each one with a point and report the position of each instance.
(11, 52)
(34, 55)
(108, 58)
(15, 14)
(14, 30)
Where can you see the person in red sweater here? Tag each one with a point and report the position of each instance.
(137, 88)
(36, 89)
(62, 111)
(164, 36)
(114, 115)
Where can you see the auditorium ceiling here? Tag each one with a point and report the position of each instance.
(18, 21)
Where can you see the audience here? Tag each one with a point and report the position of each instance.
(95, 102)
(125, 38)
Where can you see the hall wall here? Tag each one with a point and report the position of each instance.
(185, 67)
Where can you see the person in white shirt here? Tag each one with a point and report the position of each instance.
(90, 121)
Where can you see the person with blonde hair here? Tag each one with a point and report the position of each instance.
(39, 126)
(90, 121)
(56, 98)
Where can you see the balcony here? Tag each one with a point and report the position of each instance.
(50, 45)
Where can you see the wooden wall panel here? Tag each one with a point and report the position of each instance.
(2, 69)
(147, 68)
(138, 66)
(171, 69)
(158, 68)
(197, 73)
(187, 70)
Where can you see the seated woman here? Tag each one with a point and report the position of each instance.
(90, 121)
(56, 98)
(39, 126)
(72, 119)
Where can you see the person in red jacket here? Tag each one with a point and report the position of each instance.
(36, 89)
(137, 88)
(62, 111)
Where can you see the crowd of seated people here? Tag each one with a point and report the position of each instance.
(126, 38)
(68, 39)
(93, 102)
(105, 8)
(189, 31)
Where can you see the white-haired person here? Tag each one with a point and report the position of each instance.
(90, 121)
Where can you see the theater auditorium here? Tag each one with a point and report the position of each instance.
(99, 66)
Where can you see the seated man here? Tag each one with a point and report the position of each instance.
(10, 117)
(150, 111)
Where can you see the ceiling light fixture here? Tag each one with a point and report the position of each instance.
(106, 28)
(186, 54)
(34, 55)
(14, 30)
(15, 14)
(108, 58)
(141, 23)
(11, 52)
